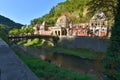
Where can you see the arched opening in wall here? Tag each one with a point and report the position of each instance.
(96, 24)
(83, 32)
(92, 24)
(59, 33)
(91, 33)
(64, 32)
(55, 32)
(97, 32)
(103, 29)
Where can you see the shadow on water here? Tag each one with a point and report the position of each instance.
(82, 65)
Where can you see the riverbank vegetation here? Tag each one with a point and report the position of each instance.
(36, 42)
(48, 71)
(42, 43)
(84, 53)
(3, 35)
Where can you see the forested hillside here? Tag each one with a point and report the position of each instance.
(78, 11)
(6, 23)
(75, 10)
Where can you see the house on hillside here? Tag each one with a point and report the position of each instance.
(58, 30)
(98, 25)
(41, 29)
(78, 30)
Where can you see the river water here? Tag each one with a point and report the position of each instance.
(82, 65)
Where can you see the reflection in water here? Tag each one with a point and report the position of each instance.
(75, 63)
(64, 60)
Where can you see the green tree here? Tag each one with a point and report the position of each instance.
(107, 6)
(3, 35)
(76, 8)
(9, 23)
(26, 30)
(112, 58)
(14, 32)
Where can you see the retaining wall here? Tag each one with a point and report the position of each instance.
(92, 43)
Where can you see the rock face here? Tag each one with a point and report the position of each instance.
(62, 21)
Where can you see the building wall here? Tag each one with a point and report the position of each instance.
(79, 32)
(80, 29)
(47, 32)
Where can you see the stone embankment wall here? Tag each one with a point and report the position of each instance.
(95, 44)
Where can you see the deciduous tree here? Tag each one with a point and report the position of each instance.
(107, 6)
(112, 58)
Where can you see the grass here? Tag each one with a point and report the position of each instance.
(76, 52)
(36, 42)
(47, 44)
(21, 42)
(33, 42)
(49, 71)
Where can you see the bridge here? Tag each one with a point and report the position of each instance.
(26, 37)
(54, 39)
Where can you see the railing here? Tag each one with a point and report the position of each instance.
(29, 36)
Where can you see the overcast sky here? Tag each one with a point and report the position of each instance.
(23, 11)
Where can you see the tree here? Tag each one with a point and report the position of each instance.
(14, 32)
(3, 35)
(9, 23)
(76, 8)
(26, 30)
(112, 58)
(107, 6)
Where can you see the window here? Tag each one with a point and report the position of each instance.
(58, 32)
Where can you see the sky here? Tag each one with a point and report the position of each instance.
(23, 11)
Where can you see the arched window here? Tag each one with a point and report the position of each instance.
(58, 32)
(55, 32)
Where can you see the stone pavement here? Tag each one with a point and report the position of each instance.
(11, 67)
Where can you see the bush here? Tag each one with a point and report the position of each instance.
(56, 39)
(36, 42)
(43, 43)
(33, 42)
(21, 42)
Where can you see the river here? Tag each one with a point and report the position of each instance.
(81, 65)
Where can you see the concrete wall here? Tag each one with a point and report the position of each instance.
(95, 44)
